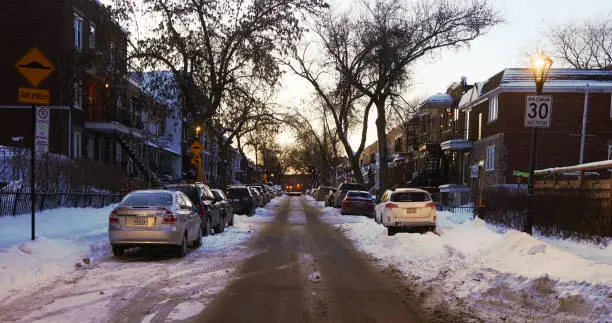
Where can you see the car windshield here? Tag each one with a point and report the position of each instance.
(364, 195)
(191, 192)
(237, 192)
(148, 199)
(410, 197)
(216, 194)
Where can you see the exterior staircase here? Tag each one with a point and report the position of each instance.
(151, 176)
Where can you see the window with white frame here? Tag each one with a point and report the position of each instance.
(493, 108)
(479, 126)
(467, 125)
(92, 35)
(490, 158)
(76, 143)
(78, 94)
(78, 32)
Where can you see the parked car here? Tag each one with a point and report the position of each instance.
(224, 204)
(329, 199)
(322, 192)
(201, 196)
(406, 208)
(259, 198)
(358, 203)
(262, 192)
(154, 218)
(242, 200)
(344, 188)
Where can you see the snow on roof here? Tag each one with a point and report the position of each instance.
(558, 79)
(438, 101)
(471, 95)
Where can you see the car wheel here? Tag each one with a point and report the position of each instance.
(118, 251)
(221, 226)
(207, 227)
(198, 241)
(391, 231)
(181, 250)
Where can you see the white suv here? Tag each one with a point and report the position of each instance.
(405, 208)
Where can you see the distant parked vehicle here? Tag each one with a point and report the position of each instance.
(259, 198)
(242, 199)
(154, 218)
(331, 196)
(322, 192)
(263, 193)
(344, 188)
(406, 208)
(358, 203)
(204, 200)
(224, 204)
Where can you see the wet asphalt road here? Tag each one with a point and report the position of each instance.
(304, 270)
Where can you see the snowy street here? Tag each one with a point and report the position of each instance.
(296, 261)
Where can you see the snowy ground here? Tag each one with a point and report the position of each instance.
(69, 271)
(498, 274)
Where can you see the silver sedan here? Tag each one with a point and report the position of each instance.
(154, 217)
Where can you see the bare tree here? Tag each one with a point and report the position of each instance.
(584, 44)
(392, 35)
(214, 46)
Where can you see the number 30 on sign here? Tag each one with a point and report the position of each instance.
(538, 109)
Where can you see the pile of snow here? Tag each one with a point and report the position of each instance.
(508, 272)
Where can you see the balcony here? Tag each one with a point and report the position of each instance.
(455, 138)
(111, 118)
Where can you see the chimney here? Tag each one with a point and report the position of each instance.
(464, 83)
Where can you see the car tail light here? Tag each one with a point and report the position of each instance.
(112, 217)
(169, 217)
(202, 208)
(391, 206)
(435, 217)
(347, 201)
(431, 205)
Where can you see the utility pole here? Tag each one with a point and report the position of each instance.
(585, 115)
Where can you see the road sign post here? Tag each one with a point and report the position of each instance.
(35, 67)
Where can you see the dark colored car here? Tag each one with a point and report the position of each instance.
(204, 201)
(329, 199)
(224, 204)
(241, 199)
(358, 203)
(344, 188)
(261, 190)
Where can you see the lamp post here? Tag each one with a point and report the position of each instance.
(540, 66)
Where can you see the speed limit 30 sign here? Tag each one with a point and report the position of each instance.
(538, 109)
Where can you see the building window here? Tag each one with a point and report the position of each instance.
(398, 144)
(610, 152)
(78, 94)
(76, 143)
(78, 32)
(92, 35)
(490, 158)
(102, 150)
(467, 125)
(479, 126)
(90, 147)
(493, 108)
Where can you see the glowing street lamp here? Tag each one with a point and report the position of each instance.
(198, 129)
(540, 66)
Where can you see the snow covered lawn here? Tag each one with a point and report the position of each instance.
(68, 239)
(499, 275)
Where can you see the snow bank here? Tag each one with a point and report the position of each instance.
(490, 270)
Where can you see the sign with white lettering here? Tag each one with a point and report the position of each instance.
(538, 109)
(42, 129)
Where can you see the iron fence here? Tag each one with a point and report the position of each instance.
(456, 209)
(14, 203)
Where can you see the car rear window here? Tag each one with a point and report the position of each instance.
(353, 187)
(410, 197)
(148, 199)
(359, 195)
(191, 192)
(237, 192)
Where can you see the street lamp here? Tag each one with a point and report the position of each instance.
(198, 129)
(540, 66)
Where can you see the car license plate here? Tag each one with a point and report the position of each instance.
(141, 221)
(411, 211)
(236, 200)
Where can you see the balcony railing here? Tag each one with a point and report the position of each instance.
(112, 113)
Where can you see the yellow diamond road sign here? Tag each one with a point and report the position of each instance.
(34, 66)
(196, 148)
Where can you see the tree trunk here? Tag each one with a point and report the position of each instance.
(356, 169)
(381, 125)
